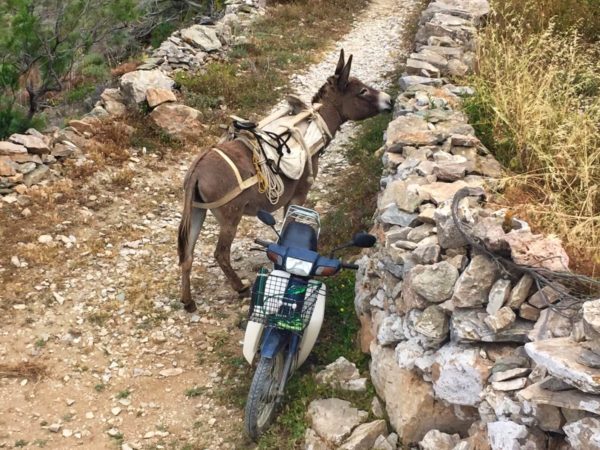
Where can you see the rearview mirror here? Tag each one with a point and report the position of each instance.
(364, 240)
(266, 218)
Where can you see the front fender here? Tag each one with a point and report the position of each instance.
(273, 341)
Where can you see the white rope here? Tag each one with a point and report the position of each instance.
(274, 184)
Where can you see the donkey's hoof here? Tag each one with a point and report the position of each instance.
(190, 307)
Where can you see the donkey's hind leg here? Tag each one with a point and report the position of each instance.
(197, 220)
(227, 233)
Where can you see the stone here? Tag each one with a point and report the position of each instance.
(312, 441)
(501, 320)
(408, 81)
(36, 176)
(469, 326)
(551, 324)
(409, 352)
(559, 357)
(27, 167)
(436, 440)
(414, 415)
(438, 192)
(427, 253)
(178, 121)
(112, 101)
(435, 283)
(591, 319)
(83, 127)
(448, 234)
(61, 150)
(173, 372)
(509, 385)
(342, 374)
(537, 250)
(45, 239)
(554, 384)
(420, 233)
(459, 374)
(589, 359)
(509, 374)
(10, 148)
(381, 443)
(549, 418)
(409, 131)
(334, 419)
(420, 67)
(34, 144)
(134, 85)
(474, 284)
(409, 299)
(506, 435)
(391, 330)
(202, 36)
(7, 167)
(528, 312)
(394, 216)
(548, 295)
(584, 434)
(433, 323)
(158, 96)
(377, 408)
(364, 436)
(499, 294)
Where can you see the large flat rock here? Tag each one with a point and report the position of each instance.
(559, 356)
(571, 399)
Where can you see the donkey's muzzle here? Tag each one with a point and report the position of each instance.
(385, 102)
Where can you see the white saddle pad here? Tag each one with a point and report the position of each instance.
(293, 163)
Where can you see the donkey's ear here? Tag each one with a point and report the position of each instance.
(345, 74)
(340, 64)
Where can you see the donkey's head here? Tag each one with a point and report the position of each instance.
(352, 99)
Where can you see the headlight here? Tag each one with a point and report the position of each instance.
(298, 266)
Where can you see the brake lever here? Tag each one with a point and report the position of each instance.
(258, 249)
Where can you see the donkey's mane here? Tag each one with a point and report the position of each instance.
(320, 93)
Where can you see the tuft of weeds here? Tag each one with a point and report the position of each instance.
(100, 387)
(537, 108)
(123, 178)
(28, 370)
(194, 392)
(125, 393)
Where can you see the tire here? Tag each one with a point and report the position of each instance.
(262, 398)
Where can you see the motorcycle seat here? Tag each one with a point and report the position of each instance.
(299, 235)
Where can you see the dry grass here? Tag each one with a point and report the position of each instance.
(27, 370)
(538, 108)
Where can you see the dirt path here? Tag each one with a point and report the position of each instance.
(125, 366)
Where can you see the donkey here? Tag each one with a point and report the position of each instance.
(210, 177)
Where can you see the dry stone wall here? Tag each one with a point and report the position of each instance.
(34, 158)
(466, 355)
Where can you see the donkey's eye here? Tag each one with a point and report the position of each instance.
(363, 91)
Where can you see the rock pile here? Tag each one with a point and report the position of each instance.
(464, 354)
(27, 159)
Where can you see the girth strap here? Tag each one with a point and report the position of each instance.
(241, 187)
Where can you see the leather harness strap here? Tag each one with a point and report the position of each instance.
(241, 187)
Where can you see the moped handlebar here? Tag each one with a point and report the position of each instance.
(349, 266)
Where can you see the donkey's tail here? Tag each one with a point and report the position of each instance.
(186, 217)
(190, 184)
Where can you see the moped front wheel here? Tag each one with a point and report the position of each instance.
(262, 398)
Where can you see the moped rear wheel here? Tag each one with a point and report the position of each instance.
(262, 398)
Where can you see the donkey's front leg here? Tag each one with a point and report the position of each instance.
(223, 254)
